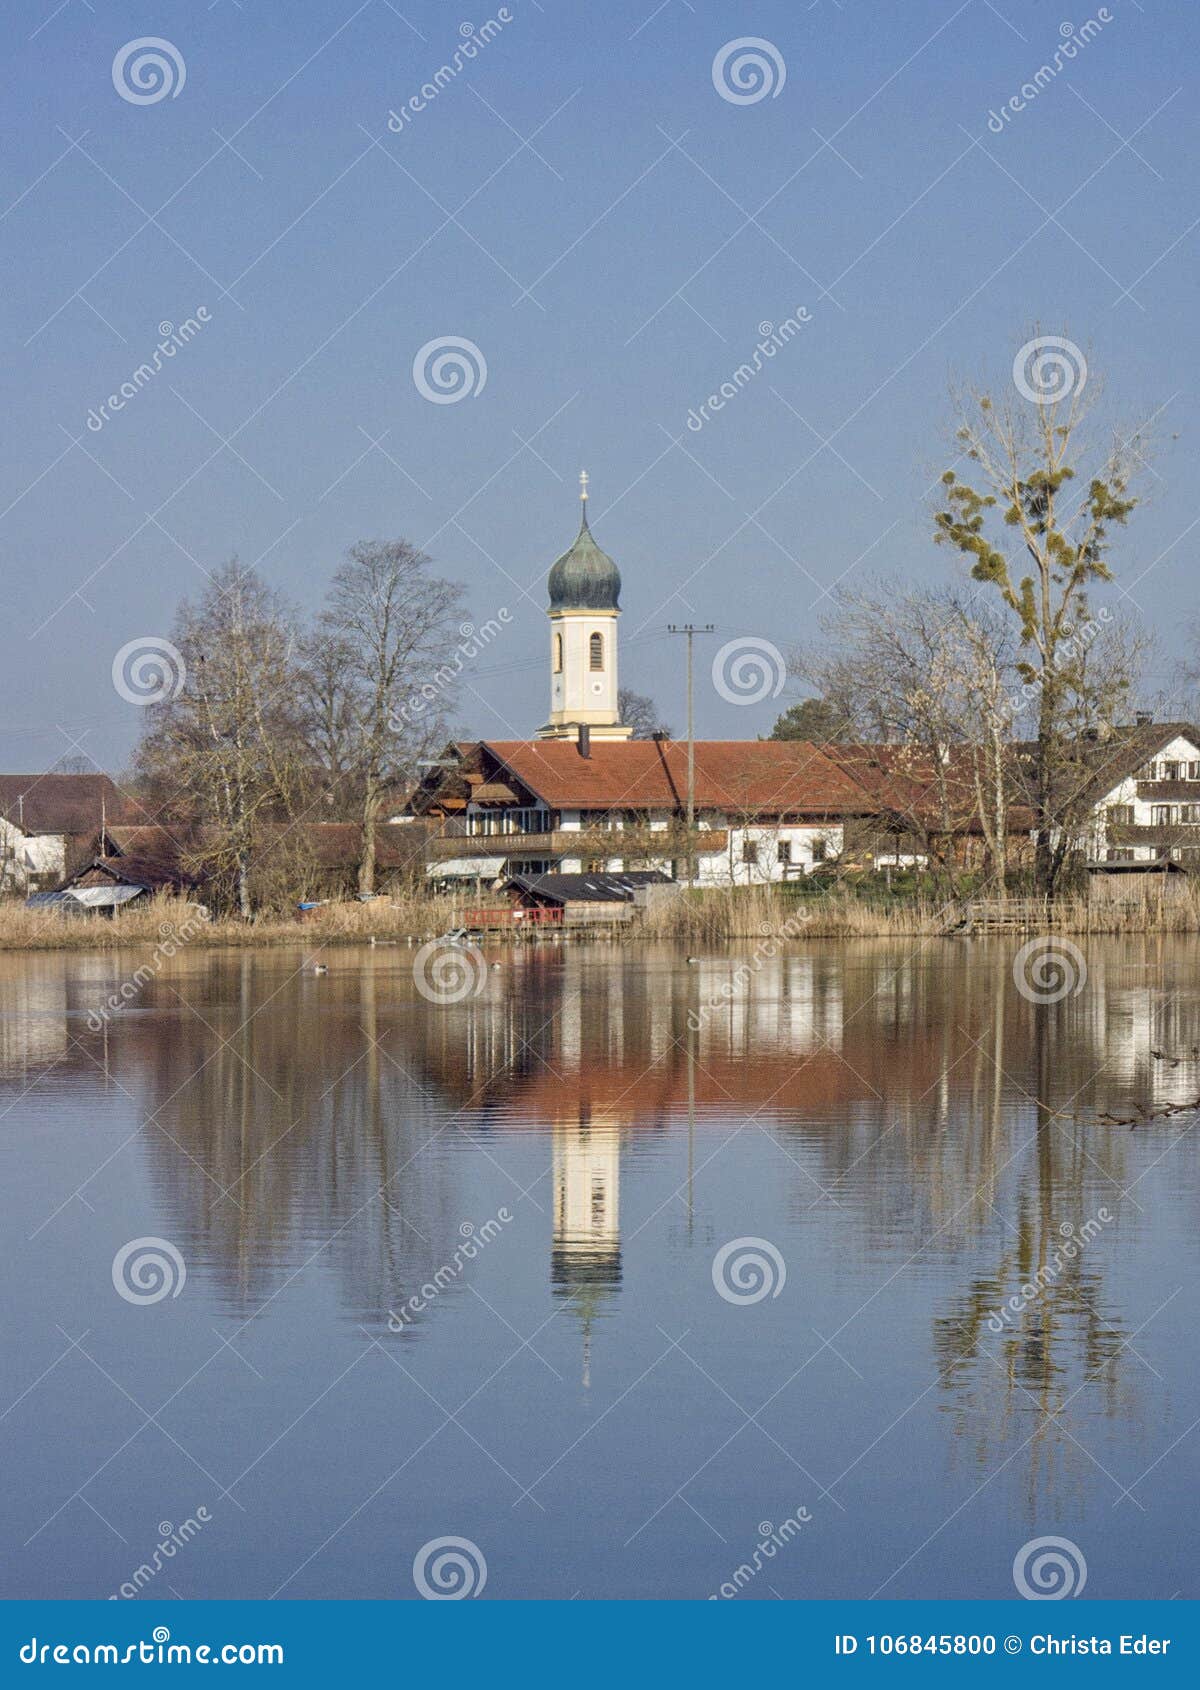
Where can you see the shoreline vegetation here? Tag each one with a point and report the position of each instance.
(711, 917)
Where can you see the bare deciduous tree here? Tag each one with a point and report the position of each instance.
(325, 698)
(639, 712)
(227, 744)
(396, 620)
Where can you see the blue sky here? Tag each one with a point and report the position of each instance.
(583, 206)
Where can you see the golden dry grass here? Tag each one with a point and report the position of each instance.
(22, 929)
(702, 917)
(749, 913)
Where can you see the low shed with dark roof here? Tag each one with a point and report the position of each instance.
(631, 888)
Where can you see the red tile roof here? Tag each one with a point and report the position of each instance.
(737, 777)
(905, 782)
(332, 845)
(63, 803)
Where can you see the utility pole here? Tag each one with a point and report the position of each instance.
(691, 632)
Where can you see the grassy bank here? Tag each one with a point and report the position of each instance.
(695, 918)
(712, 917)
(163, 919)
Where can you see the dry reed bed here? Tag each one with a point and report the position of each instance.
(165, 920)
(703, 917)
(761, 912)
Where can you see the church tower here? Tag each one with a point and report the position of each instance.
(585, 589)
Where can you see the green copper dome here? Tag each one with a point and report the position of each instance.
(585, 578)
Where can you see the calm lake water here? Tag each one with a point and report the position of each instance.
(461, 1271)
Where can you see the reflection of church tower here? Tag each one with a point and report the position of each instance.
(585, 589)
(585, 1262)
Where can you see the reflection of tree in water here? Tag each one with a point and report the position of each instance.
(1032, 1347)
(902, 1079)
(292, 1141)
(1060, 1332)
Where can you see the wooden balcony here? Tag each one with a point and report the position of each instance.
(1167, 791)
(626, 843)
(1154, 833)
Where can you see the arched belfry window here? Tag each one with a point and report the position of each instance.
(558, 654)
(596, 651)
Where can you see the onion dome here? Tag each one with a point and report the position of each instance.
(584, 578)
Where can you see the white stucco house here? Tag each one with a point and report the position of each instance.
(1146, 795)
(765, 810)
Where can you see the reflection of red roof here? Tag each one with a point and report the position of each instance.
(637, 1092)
(752, 777)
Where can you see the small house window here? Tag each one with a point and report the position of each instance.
(596, 652)
(783, 851)
(1193, 771)
(558, 654)
(818, 851)
(1170, 771)
(750, 851)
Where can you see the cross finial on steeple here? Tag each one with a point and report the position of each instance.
(583, 485)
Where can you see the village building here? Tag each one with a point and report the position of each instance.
(44, 817)
(766, 810)
(1144, 795)
(584, 797)
(294, 863)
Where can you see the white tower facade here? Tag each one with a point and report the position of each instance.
(585, 590)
